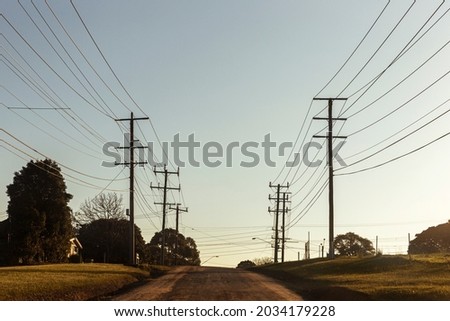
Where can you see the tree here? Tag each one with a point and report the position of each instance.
(351, 244)
(103, 206)
(263, 260)
(435, 239)
(107, 240)
(186, 254)
(245, 264)
(40, 218)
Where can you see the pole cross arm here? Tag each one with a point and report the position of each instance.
(179, 209)
(167, 203)
(334, 136)
(325, 118)
(330, 98)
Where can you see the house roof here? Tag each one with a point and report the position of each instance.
(75, 241)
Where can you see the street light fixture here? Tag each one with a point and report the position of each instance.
(210, 258)
(257, 238)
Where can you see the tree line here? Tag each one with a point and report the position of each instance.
(435, 239)
(40, 225)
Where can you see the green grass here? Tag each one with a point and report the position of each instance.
(372, 278)
(65, 281)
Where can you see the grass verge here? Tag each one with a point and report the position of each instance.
(372, 278)
(68, 282)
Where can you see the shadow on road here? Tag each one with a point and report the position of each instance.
(313, 290)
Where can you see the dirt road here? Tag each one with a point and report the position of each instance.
(210, 284)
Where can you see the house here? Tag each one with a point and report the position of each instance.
(4, 239)
(75, 247)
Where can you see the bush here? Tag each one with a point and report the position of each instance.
(245, 264)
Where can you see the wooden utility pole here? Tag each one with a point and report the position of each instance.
(283, 226)
(330, 137)
(376, 245)
(177, 209)
(132, 163)
(277, 212)
(165, 188)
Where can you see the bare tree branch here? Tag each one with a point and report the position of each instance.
(104, 206)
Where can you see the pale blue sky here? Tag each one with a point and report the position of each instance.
(235, 71)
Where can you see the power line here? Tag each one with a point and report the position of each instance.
(397, 141)
(404, 128)
(45, 156)
(295, 143)
(80, 121)
(50, 135)
(379, 47)
(308, 206)
(52, 69)
(75, 181)
(399, 83)
(299, 154)
(311, 189)
(85, 58)
(401, 106)
(119, 81)
(396, 158)
(212, 236)
(112, 70)
(357, 47)
(326, 85)
(404, 50)
(62, 59)
(36, 91)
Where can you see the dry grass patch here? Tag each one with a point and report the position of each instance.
(377, 278)
(65, 281)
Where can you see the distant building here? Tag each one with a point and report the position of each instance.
(75, 247)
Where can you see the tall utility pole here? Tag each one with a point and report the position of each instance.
(283, 226)
(165, 188)
(177, 209)
(330, 137)
(277, 212)
(132, 163)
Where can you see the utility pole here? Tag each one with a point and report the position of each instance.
(178, 209)
(309, 245)
(283, 227)
(277, 212)
(330, 137)
(165, 188)
(323, 248)
(376, 245)
(132, 163)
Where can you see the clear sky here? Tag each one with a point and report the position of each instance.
(234, 72)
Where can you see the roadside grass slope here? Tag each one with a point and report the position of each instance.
(66, 282)
(425, 277)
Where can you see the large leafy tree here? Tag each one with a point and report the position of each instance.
(351, 244)
(435, 239)
(107, 240)
(186, 252)
(40, 218)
